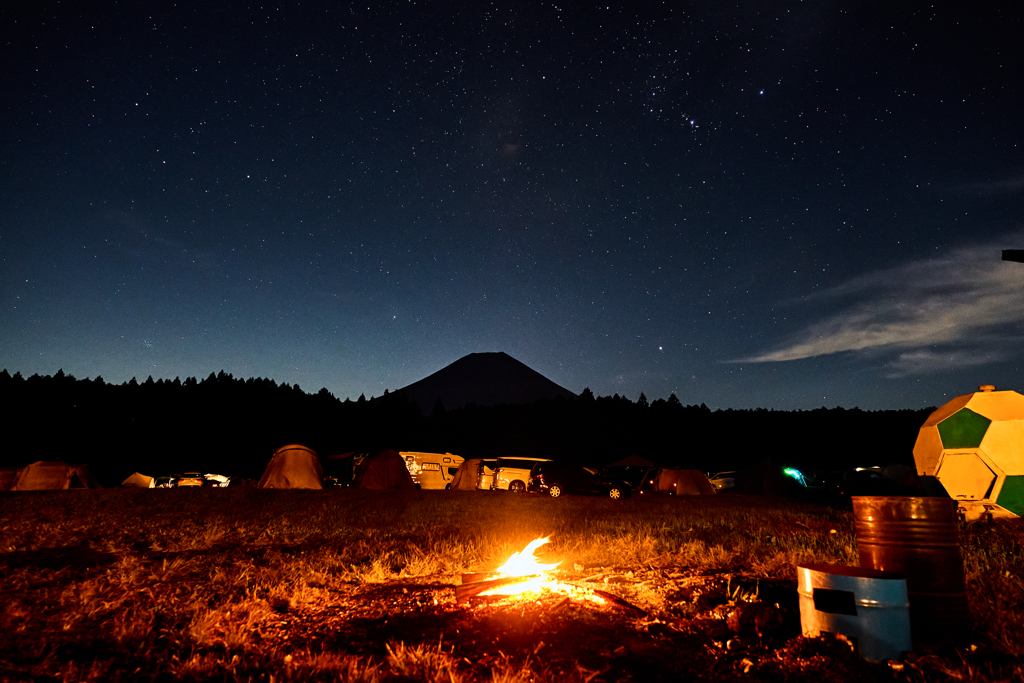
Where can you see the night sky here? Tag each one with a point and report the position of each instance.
(767, 204)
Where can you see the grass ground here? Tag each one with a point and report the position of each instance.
(245, 584)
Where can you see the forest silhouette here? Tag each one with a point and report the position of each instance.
(231, 426)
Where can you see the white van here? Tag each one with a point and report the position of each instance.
(512, 474)
(431, 470)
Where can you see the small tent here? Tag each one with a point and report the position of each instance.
(139, 481)
(675, 482)
(54, 476)
(385, 470)
(467, 476)
(293, 467)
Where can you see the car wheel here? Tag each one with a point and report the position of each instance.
(517, 487)
(615, 493)
(555, 490)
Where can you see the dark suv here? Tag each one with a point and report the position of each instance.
(555, 478)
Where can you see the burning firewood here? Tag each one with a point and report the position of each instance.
(523, 573)
(467, 590)
(619, 602)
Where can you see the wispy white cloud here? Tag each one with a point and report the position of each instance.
(1004, 186)
(926, 361)
(926, 315)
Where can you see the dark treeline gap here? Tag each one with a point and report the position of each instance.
(231, 426)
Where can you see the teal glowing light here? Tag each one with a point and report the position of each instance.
(796, 474)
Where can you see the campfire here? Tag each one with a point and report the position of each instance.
(525, 577)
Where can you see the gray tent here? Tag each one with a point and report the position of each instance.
(467, 476)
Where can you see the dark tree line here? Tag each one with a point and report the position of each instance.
(232, 426)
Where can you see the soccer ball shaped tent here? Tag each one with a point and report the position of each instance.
(974, 446)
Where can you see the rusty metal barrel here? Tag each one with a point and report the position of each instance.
(917, 537)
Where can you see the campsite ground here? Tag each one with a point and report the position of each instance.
(247, 584)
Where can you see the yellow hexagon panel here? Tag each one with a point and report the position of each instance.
(1004, 445)
(927, 450)
(965, 476)
(997, 405)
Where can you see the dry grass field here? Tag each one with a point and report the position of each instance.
(346, 585)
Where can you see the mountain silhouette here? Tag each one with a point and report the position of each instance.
(486, 379)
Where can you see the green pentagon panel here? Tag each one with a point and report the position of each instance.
(963, 429)
(1012, 495)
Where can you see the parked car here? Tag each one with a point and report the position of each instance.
(631, 474)
(556, 479)
(191, 479)
(511, 474)
(723, 481)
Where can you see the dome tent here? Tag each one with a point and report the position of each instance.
(385, 470)
(677, 482)
(293, 467)
(974, 447)
(139, 481)
(467, 475)
(54, 476)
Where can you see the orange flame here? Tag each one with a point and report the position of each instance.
(525, 563)
(535, 578)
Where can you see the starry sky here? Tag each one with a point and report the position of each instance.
(781, 204)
